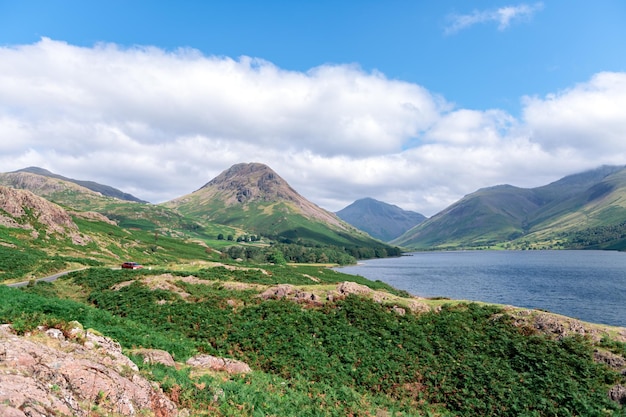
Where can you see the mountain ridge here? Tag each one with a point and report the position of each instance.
(505, 213)
(105, 190)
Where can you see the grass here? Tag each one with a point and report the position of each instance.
(344, 357)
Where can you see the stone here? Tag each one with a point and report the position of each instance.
(153, 356)
(214, 363)
(618, 394)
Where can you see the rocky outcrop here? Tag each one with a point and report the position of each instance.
(618, 394)
(290, 292)
(23, 209)
(55, 373)
(93, 216)
(341, 291)
(216, 364)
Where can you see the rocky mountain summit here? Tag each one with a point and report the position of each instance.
(254, 198)
(246, 184)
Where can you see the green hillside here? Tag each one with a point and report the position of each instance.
(254, 198)
(349, 356)
(542, 217)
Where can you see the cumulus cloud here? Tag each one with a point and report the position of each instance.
(503, 16)
(160, 124)
(587, 118)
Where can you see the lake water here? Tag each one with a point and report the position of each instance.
(588, 285)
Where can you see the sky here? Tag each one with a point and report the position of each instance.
(414, 103)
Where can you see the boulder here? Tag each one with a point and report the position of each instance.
(291, 293)
(618, 394)
(214, 363)
(153, 356)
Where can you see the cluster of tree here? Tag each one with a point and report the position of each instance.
(283, 252)
(243, 238)
(598, 236)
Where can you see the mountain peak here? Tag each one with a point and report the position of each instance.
(381, 220)
(36, 170)
(252, 182)
(254, 197)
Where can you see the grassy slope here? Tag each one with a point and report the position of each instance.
(277, 220)
(347, 357)
(537, 217)
(23, 256)
(482, 218)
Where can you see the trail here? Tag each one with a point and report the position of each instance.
(46, 279)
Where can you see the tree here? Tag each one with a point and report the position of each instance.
(220, 236)
(277, 258)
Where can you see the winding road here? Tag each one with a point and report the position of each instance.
(46, 279)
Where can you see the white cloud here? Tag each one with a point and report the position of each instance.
(503, 16)
(161, 124)
(588, 118)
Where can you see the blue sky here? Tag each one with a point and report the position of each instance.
(413, 103)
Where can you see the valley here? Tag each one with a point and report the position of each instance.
(236, 277)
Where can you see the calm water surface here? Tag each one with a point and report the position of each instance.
(589, 285)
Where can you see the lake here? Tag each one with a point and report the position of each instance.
(588, 285)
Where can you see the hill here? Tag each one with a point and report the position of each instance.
(38, 237)
(380, 220)
(73, 196)
(253, 197)
(546, 216)
(105, 190)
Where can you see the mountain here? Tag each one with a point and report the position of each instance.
(381, 220)
(254, 197)
(544, 216)
(127, 213)
(105, 190)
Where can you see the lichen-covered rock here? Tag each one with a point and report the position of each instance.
(291, 293)
(609, 359)
(214, 363)
(45, 375)
(153, 356)
(347, 287)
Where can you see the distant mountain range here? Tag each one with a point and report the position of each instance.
(557, 215)
(381, 220)
(248, 199)
(584, 210)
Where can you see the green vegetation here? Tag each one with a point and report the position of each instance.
(582, 211)
(351, 356)
(330, 354)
